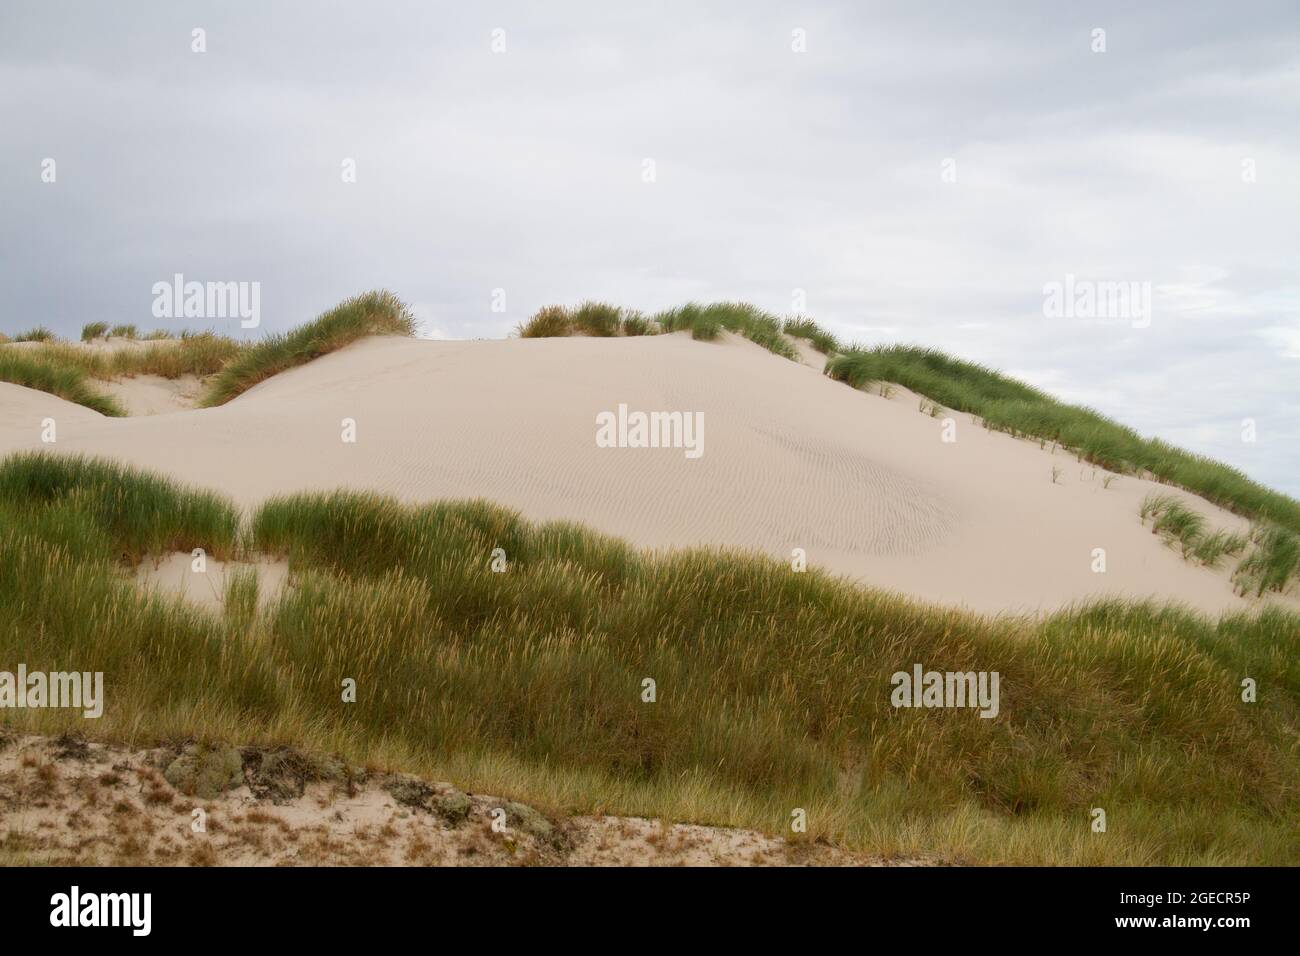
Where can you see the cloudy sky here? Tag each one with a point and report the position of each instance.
(920, 170)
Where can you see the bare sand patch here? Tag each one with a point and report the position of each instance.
(175, 574)
(153, 394)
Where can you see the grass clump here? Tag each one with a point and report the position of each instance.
(634, 323)
(201, 354)
(38, 334)
(1213, 547)
(374, 313)
(1272, 564)
(123, 331)
(93, 330)
(1005, 404)
(596, 318)
(139, 513)
(820, 339)
(67, 382)
(706, 329)
(551, 321)
(706, 321)
(1176, 522)
(773, 687)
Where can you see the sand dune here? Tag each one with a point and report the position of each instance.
(791, 460)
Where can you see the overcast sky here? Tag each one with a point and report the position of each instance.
(1171, 158)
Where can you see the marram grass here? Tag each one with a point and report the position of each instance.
(374, 313)
(772, 687)
(1271, 552)
(65, 381)
(1019, 409)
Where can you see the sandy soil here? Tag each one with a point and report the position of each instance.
(68, 802)
(861, 482)
(176, 573)
(153, 394)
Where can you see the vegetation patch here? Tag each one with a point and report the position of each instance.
(820, 339)
(66, 381)
(705, 321)
(1007, 405)
(769, 689)
(374, 313)
(1270, 565)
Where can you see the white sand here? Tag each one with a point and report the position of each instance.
(791, 460)
(176, 574)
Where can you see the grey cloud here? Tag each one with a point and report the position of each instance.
(777, 171)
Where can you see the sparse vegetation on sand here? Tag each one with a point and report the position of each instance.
(66, 381)
(62, 369)
(1272, 564)
(804, 328)
(599, 319)
(374, 313)
(1269, 566)
(771, 688)
(1007, 405)
(704, 322)
(194, 353)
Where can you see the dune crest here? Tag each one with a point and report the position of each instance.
(863, 484)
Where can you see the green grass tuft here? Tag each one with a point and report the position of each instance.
(821, 340)
(374, 313)
(551, 321)
(38, 334)
(634, 323)
(139, 513)
(93, 330)
(67, 382)
(598, 319)
(705, 321)
(1272, 564)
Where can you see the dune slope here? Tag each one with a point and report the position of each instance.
(790, 459)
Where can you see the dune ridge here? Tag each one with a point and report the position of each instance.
(792, 460)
